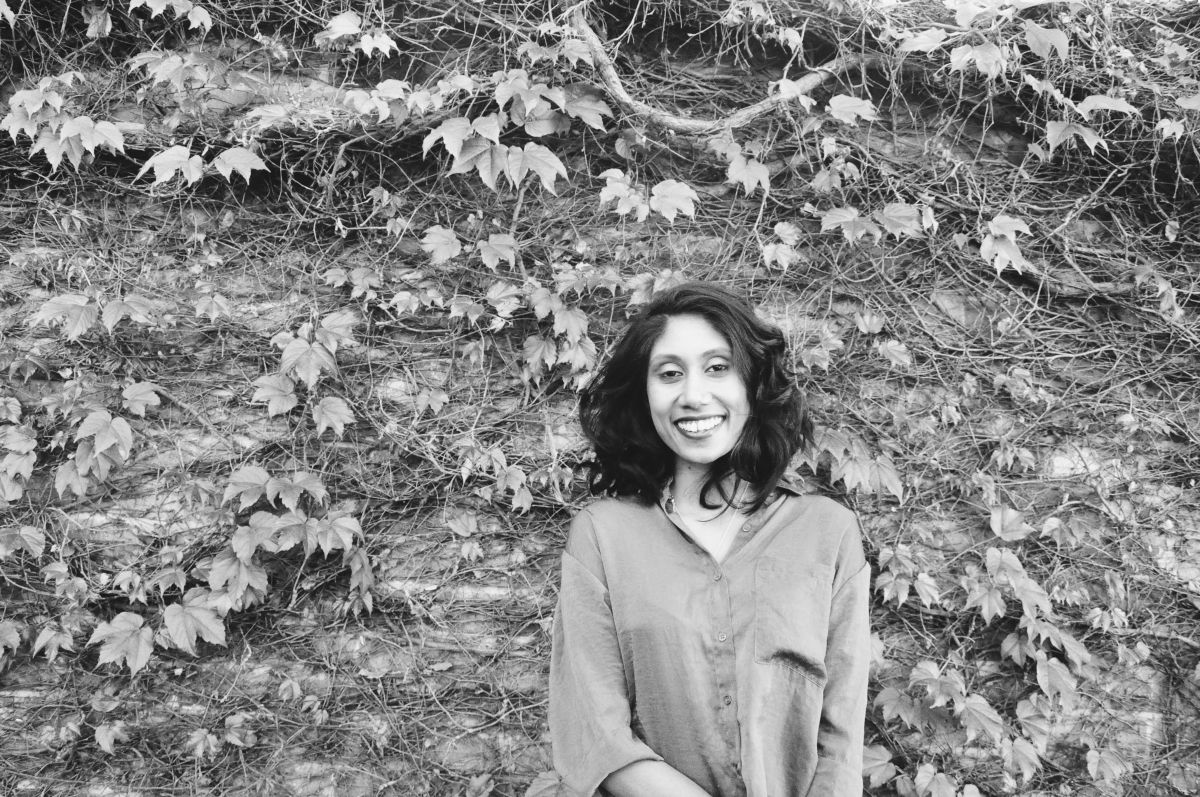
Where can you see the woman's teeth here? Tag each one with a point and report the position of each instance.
(699, 426)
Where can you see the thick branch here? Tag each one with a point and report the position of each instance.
(683, 124)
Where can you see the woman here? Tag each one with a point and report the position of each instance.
(711, 635)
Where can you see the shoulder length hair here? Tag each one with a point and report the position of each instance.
(632, 460)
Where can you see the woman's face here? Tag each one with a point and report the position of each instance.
(697, 399)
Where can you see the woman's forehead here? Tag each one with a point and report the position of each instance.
(689, 336)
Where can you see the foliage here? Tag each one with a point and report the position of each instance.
(306, 272)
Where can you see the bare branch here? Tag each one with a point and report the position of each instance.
(684, 124)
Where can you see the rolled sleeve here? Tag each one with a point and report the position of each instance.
(590, 715)
(848, 655)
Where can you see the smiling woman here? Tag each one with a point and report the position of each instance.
(711, 633)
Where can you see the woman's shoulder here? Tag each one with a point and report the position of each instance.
(799, 497)
(613, 512)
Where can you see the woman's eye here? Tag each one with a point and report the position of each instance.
(719, 368)
(670, 375)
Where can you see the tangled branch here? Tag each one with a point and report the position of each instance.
(688, 125)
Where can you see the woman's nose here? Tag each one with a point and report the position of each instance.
(695, 391)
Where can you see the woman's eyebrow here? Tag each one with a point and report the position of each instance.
(671, 357)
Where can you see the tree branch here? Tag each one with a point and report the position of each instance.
(684, 124)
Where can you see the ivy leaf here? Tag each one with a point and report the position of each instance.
(452, 133)
(370, 42)
(296, 527)
(108, 734)
(240, 160)
(278, 391)
(671, 197)
(10, 637)
(539, 354)
(1102, 102)
(432, 399)
(248, 483)
(75, 314)
(499, 246)
(1042, 40)
(345, 24)
(244, 583)
(175, 159)
(290, 490)
(260, 533)
(126, 638)
(544, 163)
(750, 173)
(1055, 679)
(895, 352)
(1105, 765)
(136, 308)
(571, 322)
(332, 413)
(1021, 756)
(988, 59)
(140, 395)
(1191, 103)
(53, 639)
(213, 306)
(932, 783)
(492, 164)
(1032, 714)
(849, 109)
(202, 744)
(587, 107)
(337, 329)
(850, 223)
(106, 432)
(980, 719)
(877, 765)
(188, 621)
(307, 360)
(10, 409)
(900, 218)
(791, 90)
(441, 244)
(7, 13)
(1058, 132)
(199, 18)
(1009, 524)
(923, 42)
(29, 539)
(338, 533)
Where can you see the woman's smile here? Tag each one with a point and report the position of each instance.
(699, 427)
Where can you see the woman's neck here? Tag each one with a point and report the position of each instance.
(689, 483)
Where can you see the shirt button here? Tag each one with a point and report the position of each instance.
(746, 527)
(716, 576)
(721, 637)
(727, 700)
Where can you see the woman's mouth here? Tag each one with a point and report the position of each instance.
(699, 426)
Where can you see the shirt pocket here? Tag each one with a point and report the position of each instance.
(791, 616)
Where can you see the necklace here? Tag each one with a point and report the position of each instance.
(720, 546)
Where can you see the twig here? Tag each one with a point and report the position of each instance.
(683, 124)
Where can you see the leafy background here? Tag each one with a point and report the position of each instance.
(298, 296)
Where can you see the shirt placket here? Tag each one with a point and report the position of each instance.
(723, 665)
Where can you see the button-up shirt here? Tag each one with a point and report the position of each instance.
(747, 675)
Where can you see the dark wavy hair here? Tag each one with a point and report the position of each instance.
(632, 460)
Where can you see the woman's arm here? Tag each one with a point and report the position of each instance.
(847, 661)
(651, 779)
(590, 713)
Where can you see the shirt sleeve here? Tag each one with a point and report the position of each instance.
(590, 716)
(847, 660)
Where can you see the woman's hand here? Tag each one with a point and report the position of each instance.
(651, 779)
